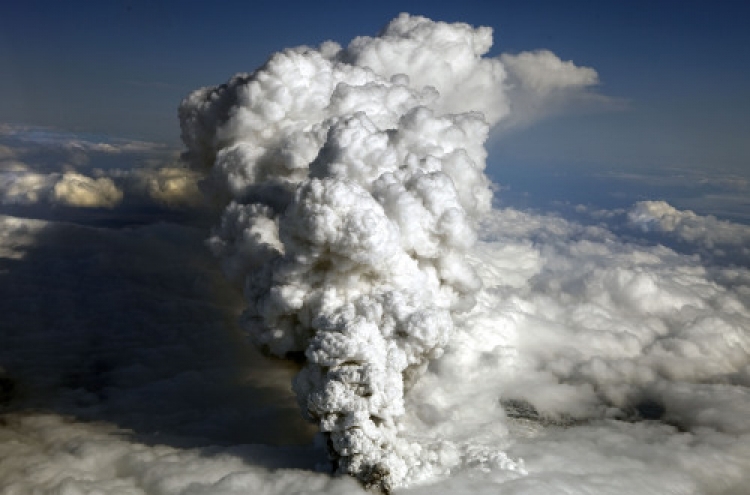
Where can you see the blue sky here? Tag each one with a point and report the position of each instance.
(121, 67)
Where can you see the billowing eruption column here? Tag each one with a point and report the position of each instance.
(353, 180)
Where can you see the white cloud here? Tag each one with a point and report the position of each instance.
(639, 354)
(78, 190)
(169, 185)
(70, 189)
(353, 183)
(25, 188)
(43, 167)
(542, 72)
(706, 231)
(540, 84)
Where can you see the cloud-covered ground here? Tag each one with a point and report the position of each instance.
(604, 365)
(605, 350)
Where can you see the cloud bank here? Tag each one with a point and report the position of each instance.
(615, 363)
(590, 362)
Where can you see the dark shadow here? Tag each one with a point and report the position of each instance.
(136, 327)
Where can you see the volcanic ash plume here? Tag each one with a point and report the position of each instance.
(353, 179)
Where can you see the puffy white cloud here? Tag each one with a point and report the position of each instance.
(446, 57)
(660, 309)
(594, 359)
(78, 190)
(69, 189)
(706, 231)
(354, 182)
(41, 167)
(25, 188)
(169, 185)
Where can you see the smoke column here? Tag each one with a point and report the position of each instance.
(353, 183)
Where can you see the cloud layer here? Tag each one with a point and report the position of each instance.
(589, 364)
(609, 358)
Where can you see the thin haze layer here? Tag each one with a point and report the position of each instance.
(353, 179)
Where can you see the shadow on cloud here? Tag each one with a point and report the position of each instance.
(135, 328)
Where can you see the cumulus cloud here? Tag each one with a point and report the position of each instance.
(70, 189)
(46, 167)
(354, 182)
(359, 217)
(78, 190)
(171, 185)
(25, 188)
(706, 231)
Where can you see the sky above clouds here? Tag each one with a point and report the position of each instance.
(678, 71)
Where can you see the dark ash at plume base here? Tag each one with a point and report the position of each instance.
(353, 183)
